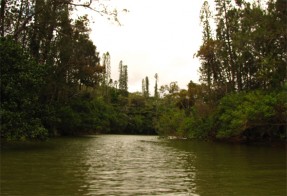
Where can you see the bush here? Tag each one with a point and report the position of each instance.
(21, 82)
(84, 114)
(170, 123)
(252, 115)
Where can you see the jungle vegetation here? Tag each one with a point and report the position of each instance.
(54, 82)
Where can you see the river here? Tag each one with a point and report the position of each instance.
(141, 165)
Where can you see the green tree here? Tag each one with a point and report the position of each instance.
(210, 67)
(143, 87)
(107, 84)
(224, 32)
(22, 81)
(123, 78)
(156, 93)
(106, 63)
(147, 87)
(251, 116)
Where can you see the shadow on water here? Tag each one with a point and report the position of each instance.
(53, 167)
(234, 169)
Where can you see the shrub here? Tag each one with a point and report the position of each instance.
(252, 115)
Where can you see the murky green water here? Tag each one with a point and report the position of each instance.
(141, 165)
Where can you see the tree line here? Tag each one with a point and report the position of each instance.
(54, 82)
(242, 95)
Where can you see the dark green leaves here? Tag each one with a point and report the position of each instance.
(21, 82)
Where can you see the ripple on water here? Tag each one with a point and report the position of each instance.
(140, 165)
(134, 165)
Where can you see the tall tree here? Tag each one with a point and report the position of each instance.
(156, 94)
(143, 87)
(147, 86)
(125, 67)
(106, 63)
(210, 67)
(123, 77)
(224, 30)
(247, 52)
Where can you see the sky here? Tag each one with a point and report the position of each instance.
(155, 36)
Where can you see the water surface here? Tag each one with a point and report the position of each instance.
(141, 165)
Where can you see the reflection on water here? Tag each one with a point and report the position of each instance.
(101, 165)
(140, 165)
(227, 170)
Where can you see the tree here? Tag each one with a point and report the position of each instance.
(18, 16)
(244, 57)
(156, 94)
(75, 63)
(22, 81)
(247, 52)
(143, 87)
(224, 32)
(123, 77)
(210, 67)
(251, 116)
(147, 86)
(54, 80)
(86, 61)
(106, 63)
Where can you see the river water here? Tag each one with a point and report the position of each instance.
(141, 165)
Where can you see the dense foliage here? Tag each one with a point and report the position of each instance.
(243, 73)
(248, 51)
(52, 79)
(252, 115)
(54, 82)
(21, 83)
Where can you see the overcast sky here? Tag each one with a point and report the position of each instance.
(156, 36)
